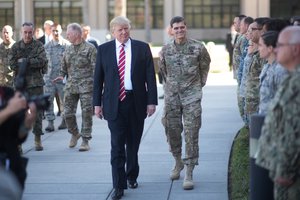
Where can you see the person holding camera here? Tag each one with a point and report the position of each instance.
(16, 119)
(33, 52)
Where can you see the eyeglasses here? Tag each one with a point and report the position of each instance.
(278, 45)
(255, 29)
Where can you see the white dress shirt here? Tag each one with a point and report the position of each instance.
(127, 48)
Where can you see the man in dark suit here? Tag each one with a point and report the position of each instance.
(47, 37)
(125, 110)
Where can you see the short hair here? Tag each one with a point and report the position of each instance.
(241, 16)
(270, 38)
(75, 27)
(260, 21)
(119, 20)
(49, 22)
(28, 24)
(177, 19)
(275, 24)
(248, 20)
(55, 25)
(86, 27)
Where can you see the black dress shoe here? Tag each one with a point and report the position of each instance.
(132, 184)
(117, 194)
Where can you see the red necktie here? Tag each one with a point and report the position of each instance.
(121, 66)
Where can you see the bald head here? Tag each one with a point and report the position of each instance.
(288, 47)
(7, 33)
(293, 33)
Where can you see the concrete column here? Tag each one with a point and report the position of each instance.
(172, 8)
(85, 11)
(23, 13)
(178, 7)
(169, 12)
(120, 7)
(255, 8)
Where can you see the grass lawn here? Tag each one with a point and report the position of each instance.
(238, 177)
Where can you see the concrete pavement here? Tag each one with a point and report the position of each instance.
(61, 173)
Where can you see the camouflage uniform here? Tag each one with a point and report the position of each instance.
(36, 67)
(78, 65)
(54, 51)
(6, 74)
(279, 143)
(270, 79)
(242, 88)
(243, 50)
(237, 52)
(252, 85)
(185, 69)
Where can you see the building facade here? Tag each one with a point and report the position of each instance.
(206, 19)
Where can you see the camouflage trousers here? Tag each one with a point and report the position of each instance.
(38, 125)
(287, 193)
(241, 105)
(52, 90)
(70, 108)
(187, 118)
(251, 107)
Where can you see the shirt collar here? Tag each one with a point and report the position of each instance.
(127, 44)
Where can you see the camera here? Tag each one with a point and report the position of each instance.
(41, 101)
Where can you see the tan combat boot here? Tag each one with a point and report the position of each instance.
(62, 125)
(74, 139)
(38, 143)
(188, 179)
(84, 145)
(175, 173)
(50, 126)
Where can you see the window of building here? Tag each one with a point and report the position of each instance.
(7, 16)
(157, 9)
(210, 13)
(284, 9)
(62, 12)
(135, 12)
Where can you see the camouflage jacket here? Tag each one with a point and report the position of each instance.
(78, 65)
(279, 143)
(35, 54)
(270, 79)
(247, 62)
(185, 69)
(54, 51)
(6, 74)
(237, 52)
(252, 84)
(244, 50)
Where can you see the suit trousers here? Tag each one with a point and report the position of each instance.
(126, 132)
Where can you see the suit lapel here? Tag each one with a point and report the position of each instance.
(133, 55)
(113, 54)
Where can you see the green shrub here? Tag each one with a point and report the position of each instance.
(238, 177)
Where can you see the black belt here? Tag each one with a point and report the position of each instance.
(129, 92)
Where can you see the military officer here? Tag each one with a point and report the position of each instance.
(34, 52)
(184, 64)
(78, 65)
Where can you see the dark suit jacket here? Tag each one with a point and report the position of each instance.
(42, 39)
(107, 82)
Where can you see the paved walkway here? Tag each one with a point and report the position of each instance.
(61, 173)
